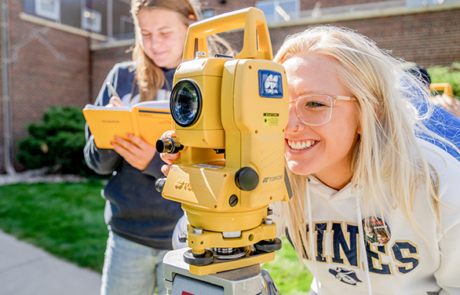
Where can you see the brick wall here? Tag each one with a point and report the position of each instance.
(310, 4)
(231, 5)
(49, 68)
(426, 38)
(103, 61)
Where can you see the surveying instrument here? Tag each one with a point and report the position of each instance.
(229, 118)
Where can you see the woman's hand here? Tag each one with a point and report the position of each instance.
(168, 158)
(137, 153)
(115, 102)
(448, 103)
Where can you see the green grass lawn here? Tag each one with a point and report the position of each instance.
(291, 277)
(67, 220)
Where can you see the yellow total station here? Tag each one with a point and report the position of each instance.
(229, 114)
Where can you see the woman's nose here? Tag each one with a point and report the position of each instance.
(156, 41)
(294, 123)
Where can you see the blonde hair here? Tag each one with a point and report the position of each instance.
(387, 152)
(149, 77)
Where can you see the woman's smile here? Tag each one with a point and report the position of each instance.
(301, 145)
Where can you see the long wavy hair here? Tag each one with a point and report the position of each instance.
(149, 76)
(387, 156)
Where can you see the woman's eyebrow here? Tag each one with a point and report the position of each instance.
(307, 92)
(162, 28)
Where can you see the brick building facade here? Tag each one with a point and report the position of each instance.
(47, 67)
(425, 38)
(51, 67)
(219, 6)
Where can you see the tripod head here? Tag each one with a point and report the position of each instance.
(229, 118)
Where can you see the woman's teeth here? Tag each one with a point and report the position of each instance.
(301, 145)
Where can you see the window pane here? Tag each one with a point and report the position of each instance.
(289, 7)
(269, 10)
(208, 13)
(91, 20)
(47, 6)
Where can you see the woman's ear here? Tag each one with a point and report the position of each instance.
(191, 16)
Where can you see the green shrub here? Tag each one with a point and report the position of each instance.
(56, 141)
(449, 75)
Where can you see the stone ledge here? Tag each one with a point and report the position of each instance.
(112, 44)
(61, 27)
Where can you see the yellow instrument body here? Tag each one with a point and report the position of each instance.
(446, 87)
(238, 116)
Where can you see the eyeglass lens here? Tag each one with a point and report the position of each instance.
(315, 109)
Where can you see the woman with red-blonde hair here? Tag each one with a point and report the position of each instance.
(140, 221)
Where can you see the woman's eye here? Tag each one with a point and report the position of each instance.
(165, 33)
(314, 104)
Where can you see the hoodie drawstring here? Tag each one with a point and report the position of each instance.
(362, 246)
(310, 233)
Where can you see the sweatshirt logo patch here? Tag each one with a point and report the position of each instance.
(345, 276)
(376, 231)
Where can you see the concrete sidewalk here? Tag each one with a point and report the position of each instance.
(27, 270)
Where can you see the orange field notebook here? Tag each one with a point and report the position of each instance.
(147, 120)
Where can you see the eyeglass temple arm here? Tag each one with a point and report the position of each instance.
(345, 97)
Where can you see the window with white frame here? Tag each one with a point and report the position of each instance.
(279, 10)
(48, 8)
(91, 20)
(207, 13)
(126, 25)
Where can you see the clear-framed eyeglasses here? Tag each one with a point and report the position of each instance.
(316, 109)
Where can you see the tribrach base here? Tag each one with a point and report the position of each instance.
(226, 265)
(250, 280)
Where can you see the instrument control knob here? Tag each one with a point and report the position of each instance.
(170, 145)
(246, 179)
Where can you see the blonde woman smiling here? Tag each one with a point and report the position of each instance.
(354, 162)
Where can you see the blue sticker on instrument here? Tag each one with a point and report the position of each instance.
(270, 84)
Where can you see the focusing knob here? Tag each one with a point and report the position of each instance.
(168, 145)
(161, 145)
(246, 179)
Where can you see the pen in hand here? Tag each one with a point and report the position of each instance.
(113, 93)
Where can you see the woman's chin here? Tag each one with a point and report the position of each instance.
(160, 63)
(298, 168)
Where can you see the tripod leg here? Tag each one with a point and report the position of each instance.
(272, 289)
